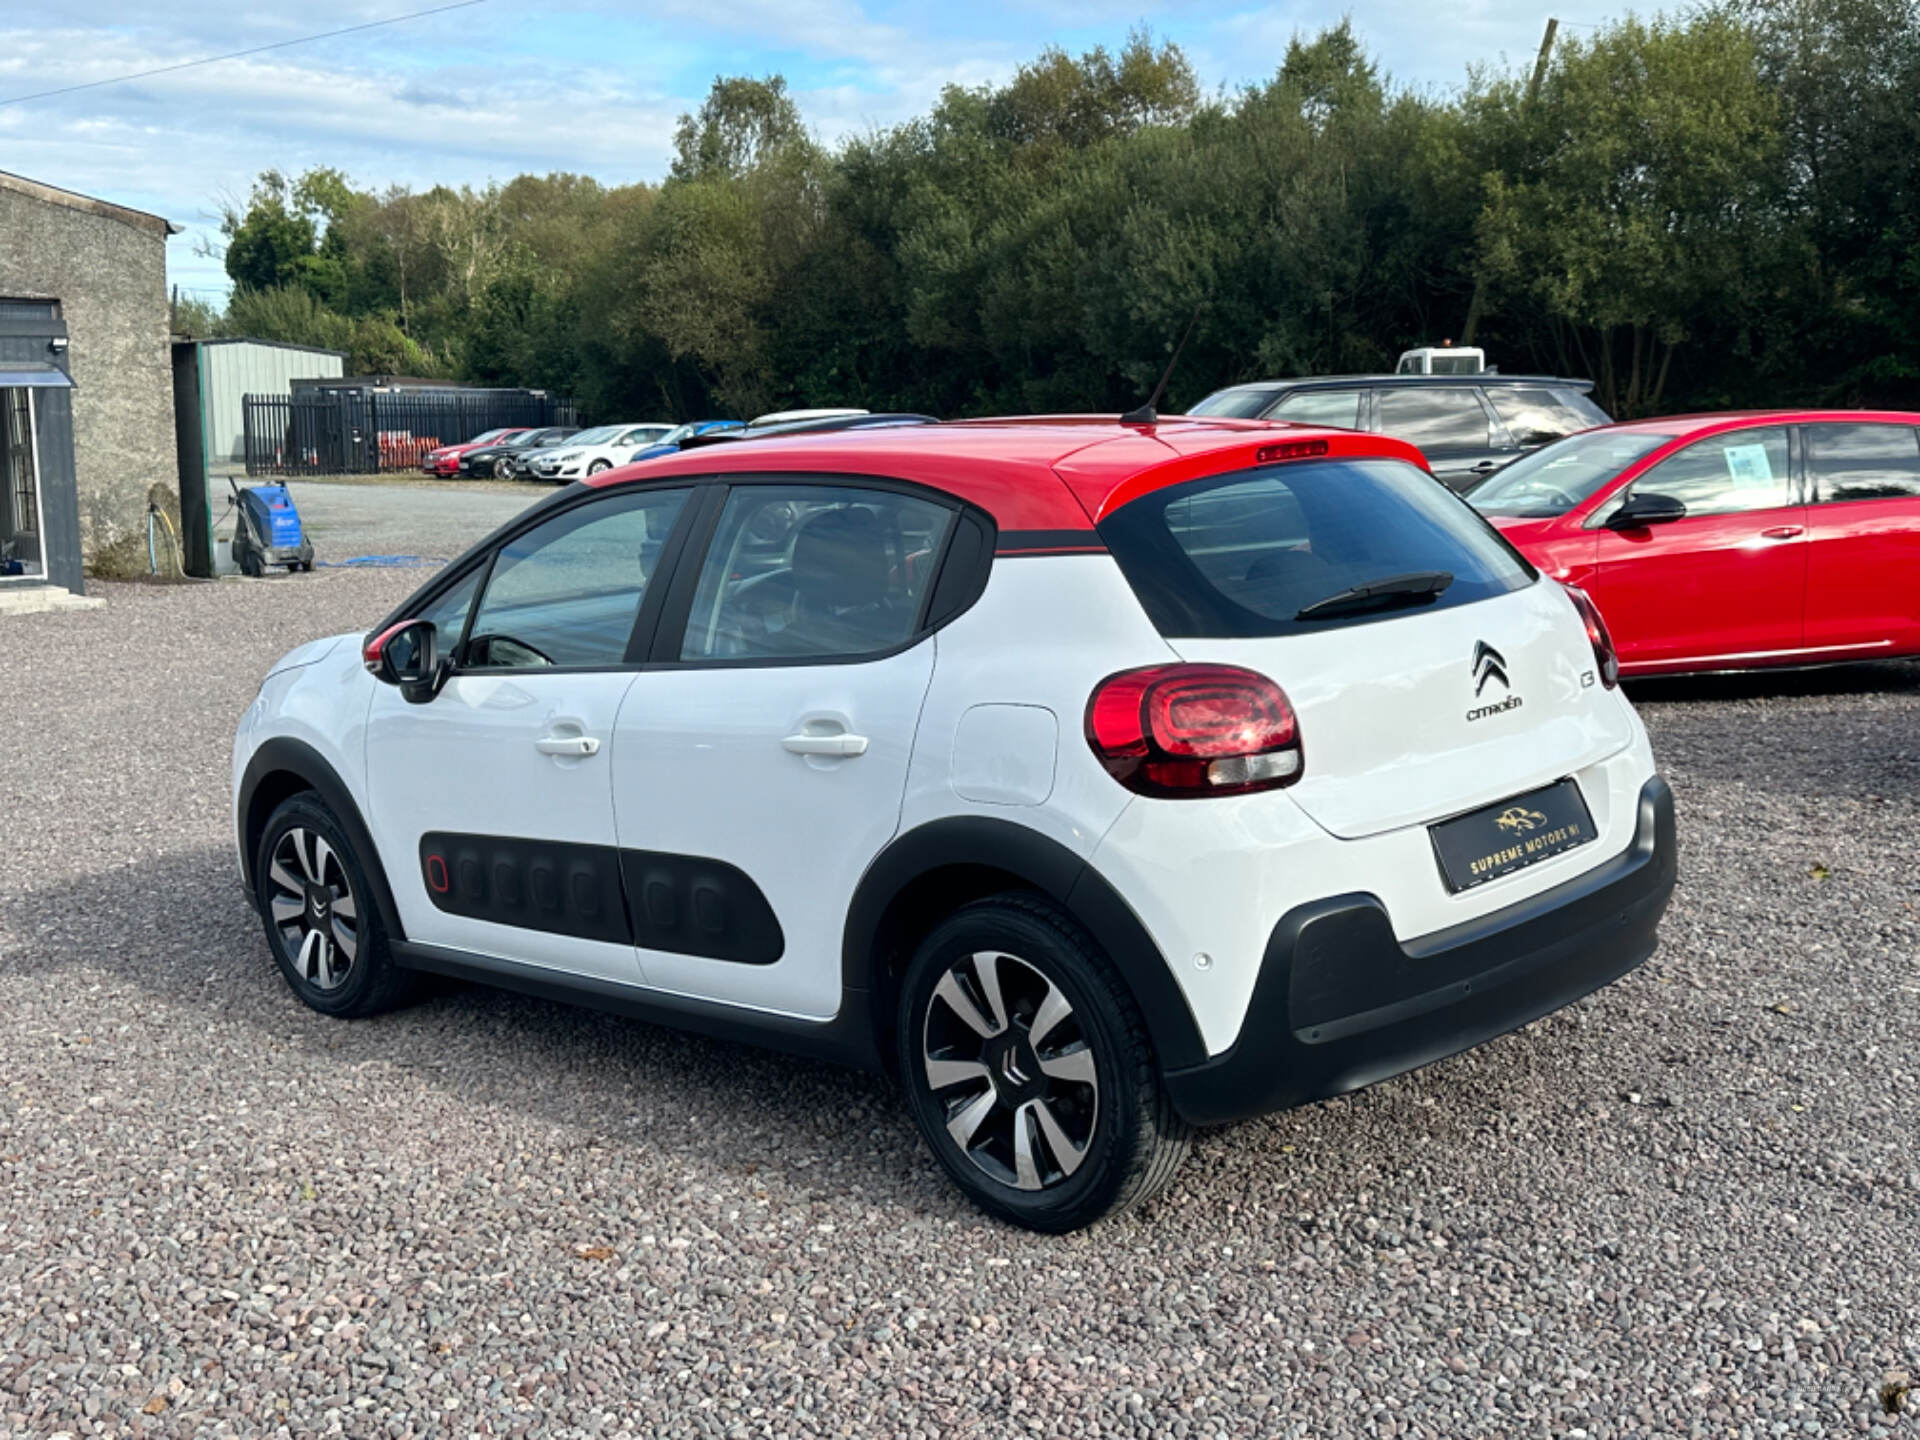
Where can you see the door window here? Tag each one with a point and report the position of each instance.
(1863, 462)
(568, 591)
(1320, 407)
(1434, 417)
(1744, 470)
(1533, 417)
(814, 570)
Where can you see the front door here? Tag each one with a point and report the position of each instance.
(492, 804)
(1726, 582)
(1863, 547)
(762, 766)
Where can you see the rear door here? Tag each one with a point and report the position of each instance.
(763, 756)
(1450, 424)
(1726, 583)
(1863, 536)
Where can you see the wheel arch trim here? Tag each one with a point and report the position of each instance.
(284, 756)
(1037, 862)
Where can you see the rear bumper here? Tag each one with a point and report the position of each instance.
(1340, 1003)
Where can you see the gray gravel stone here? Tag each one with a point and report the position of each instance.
(1689, 1205)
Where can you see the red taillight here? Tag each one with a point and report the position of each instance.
(1180, 731)
(1604, 654)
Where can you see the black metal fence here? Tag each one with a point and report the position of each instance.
(358, 432)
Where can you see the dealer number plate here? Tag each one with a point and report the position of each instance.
(1511, 835)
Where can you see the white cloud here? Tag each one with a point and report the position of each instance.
(585, 85)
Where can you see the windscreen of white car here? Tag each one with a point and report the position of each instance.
(1303, 547)
(1554, 479)
(599, 435)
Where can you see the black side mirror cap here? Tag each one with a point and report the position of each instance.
(407, 655)
(1646, 508)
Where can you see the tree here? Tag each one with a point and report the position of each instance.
(1630, 196)
(742, 123)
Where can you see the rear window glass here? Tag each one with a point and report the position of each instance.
(1433, 417)
(1244, 554)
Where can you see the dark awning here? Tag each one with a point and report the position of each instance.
(32, 372)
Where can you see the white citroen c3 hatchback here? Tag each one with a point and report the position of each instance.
(1095, 779)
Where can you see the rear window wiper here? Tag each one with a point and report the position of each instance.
(1416, 587)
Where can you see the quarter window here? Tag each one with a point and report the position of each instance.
(1433, 417)
(568, 591)
(1744, 470)
(1863, 462)
(1533, 417)
(814, 570)
(1320, 407)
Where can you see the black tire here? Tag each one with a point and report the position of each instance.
(598, 466)
(1130, 1139)
(368, 981)
(251, 564)
(503, 469)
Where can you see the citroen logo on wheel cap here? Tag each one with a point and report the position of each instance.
(1488, 664)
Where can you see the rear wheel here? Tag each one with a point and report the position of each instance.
(252, 564)
(1028, 1069)
(320, 918)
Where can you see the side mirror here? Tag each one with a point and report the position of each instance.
(407, 655)
(1645, 508)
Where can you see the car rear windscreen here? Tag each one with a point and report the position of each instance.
(1234, 404)
(1244, 554)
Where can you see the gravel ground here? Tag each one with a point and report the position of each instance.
(1687, 1206)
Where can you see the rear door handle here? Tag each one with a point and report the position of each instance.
(567, 745)
(1784, 532)
(843, 745)
(1487, 465)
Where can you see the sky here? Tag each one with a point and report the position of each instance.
(502, 87)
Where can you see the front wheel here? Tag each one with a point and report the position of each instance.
(322, 924)
(1028, 1068)
(597, 466)
(503, 469)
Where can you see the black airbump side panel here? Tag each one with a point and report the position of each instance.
(681, 904)
(549, 885)
(688, 906)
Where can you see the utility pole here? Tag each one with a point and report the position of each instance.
(1540, 65)
(1533, 92)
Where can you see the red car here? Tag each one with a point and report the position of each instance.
(445, 461)
(1731, 541)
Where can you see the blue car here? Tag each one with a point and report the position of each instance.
(669, 443)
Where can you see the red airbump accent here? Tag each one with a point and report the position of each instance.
(437, 875)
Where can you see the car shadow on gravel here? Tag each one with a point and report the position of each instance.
(1887, 677)
(178, 926)
(1843, 732)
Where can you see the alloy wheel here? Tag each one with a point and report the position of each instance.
(1009, 1062)
(314, 908)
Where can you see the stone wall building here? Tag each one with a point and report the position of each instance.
(104, 268)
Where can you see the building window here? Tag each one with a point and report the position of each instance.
(19, 486)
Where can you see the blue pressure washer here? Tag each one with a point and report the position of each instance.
(269, 530)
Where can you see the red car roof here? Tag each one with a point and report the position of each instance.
(1040, 473)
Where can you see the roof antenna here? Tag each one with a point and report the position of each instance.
(1146, 414)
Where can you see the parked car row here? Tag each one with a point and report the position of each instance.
(1708, 542)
